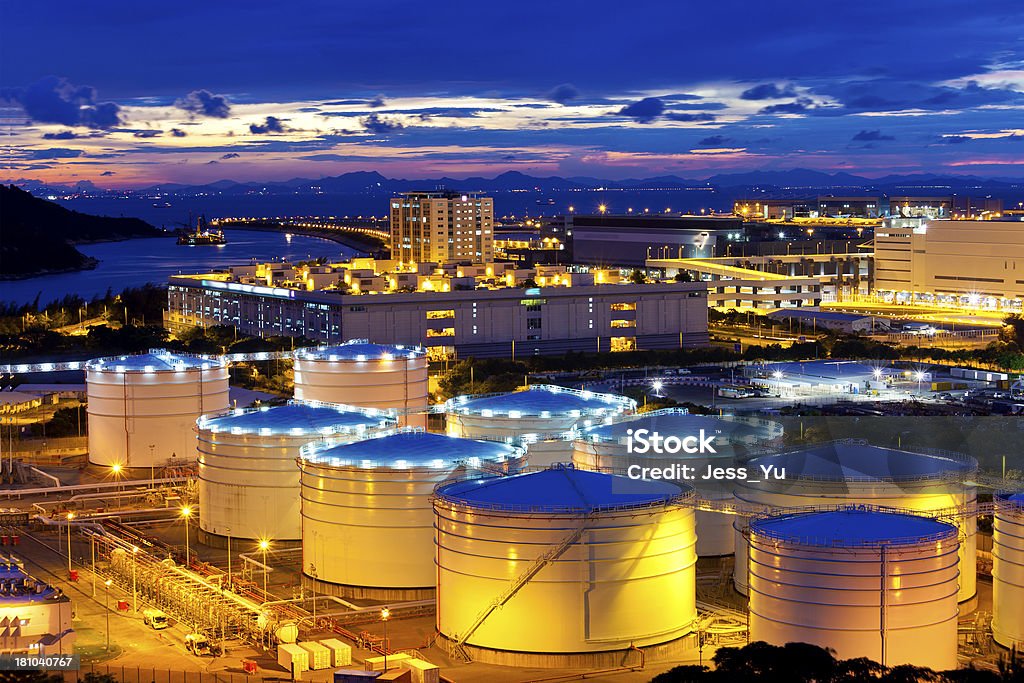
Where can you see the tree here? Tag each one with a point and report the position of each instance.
(637, 277)
(684, 276)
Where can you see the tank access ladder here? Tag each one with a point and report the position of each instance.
(458, 647)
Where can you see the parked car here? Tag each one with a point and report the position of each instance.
(155, 618)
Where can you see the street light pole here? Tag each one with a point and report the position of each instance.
(186, 512)
(264, 546)
(135, 593)
(106, 603)
(385, 614)
(229, 557)
(71, 516)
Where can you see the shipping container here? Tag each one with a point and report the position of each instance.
(292, 657)
(423, 672)
(319, 656)
(355, 676)
(377, 663)
(341, 653)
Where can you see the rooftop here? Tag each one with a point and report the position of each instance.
(297, 418)
(831, 369)
(407, 448)
(853, 527)
(540, 400)
(360, 350)
(562, 489)
(860, 461)
(154, 360)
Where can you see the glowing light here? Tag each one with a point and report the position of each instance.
(186, 511)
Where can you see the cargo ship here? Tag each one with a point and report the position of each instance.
(201, 236)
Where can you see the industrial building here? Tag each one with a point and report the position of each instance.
(143, 408)
(861, 582)
(945, 206)
(248, 479)
(442, 227)
(504, 322)
(848, 472)
(632, 239)
(367, 518)
(801, 378)
(846, 323)
(384, 377)
(564, 568)
(542, 417)
(964, 263)
(820, 206)
(607, 448)
(35, 617)
(1008, 571)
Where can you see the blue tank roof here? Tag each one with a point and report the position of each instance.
(855, 461)
(670, 422)
(409, 448)
(853, 527)
(540, 399)
(562, 489)
(1016, 499)
(154, 360)
(299, 417)
(360, 350)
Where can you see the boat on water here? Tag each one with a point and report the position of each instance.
(201, 236)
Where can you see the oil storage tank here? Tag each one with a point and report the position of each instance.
(383, 376)
(862, 582)
(1008, 571)
(367, 518)
(248, 477)
(542, 416)
(617, 447)
(854, 471)
(143, 408)
(564, 567)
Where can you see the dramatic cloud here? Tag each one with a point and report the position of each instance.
(205, 103)
(177, 132)
(715, 141)
(377, 102)
(149, 133)
(644, 111)
(768, 91)
(687, 117)
(799, 106)
(108, 173)
(379, 126)
(563, 93)
(55, 153)
(955, 139)
(871, 136)
(231, 155)
(55, 100)
(271, 125)
(63, 135)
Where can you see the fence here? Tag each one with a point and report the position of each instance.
(143, 674)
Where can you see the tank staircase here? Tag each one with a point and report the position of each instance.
(457, 644)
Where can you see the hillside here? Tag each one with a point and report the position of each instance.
(37, 236)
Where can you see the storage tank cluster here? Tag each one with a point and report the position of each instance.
(248, 476)
(367, 517)
(563, 567)
(543, 416)
(382, 376)
(142, 408)
(1008, 571)
(614, 448)
(862, 582)
(848, 472)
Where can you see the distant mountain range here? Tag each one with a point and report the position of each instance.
(39, 236)
(790, 181)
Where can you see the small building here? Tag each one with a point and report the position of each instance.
(848, 323)
(819, 377)
(18, 402)
(35, 617)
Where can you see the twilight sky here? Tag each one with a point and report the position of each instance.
(135, 93)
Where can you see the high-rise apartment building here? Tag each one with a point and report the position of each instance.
(442, 227)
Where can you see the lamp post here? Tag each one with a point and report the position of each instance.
(186, 512)
(106, 603)
(385, 614)
(135, 592)
(71, 516)
(229, 556)
(152, 465)
(264, 546)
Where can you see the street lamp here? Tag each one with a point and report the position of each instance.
(385, 614)
(264, 546)
(71, 516)
(658, 385)
(106, 603)
(186, 512)
(135, 593)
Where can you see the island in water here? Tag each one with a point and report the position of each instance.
(38, 237)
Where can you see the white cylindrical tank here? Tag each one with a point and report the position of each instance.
(1008, 571)
(616, 447)
(541, 416)
(367, 518)
(847, 472)
(143, 408)
(248, 477)
(573, 562)
(861, 582)
(359, 373)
